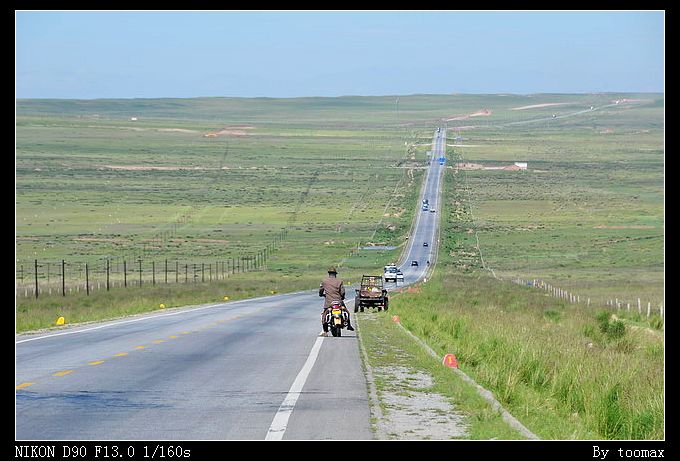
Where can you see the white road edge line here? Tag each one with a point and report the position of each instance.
(280, 421)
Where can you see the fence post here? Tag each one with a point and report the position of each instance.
(108, 273)
(639, 307)
(649, 307)
(63, 278)
(36, 278)
(125, 273)
(202, 272)
(153, 272)
(87, 279)
(166, 271)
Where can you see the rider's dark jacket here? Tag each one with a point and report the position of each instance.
(333, 289)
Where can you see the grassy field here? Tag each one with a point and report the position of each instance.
(555, 367)
(588, 213)
(92, 184)
(587, 216)
(313, 179)
(310, 180)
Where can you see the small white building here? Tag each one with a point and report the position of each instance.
(133, 119)
(521, 165)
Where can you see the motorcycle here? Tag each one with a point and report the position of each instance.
(336, 318)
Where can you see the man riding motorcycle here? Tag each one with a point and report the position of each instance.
(331, 289)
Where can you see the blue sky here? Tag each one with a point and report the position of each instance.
(135, 54)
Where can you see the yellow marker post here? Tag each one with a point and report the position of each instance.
(61, 321)
(63, 373)
(161, 305)
(226, 298)
(22, 385)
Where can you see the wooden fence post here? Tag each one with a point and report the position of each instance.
(36, 278)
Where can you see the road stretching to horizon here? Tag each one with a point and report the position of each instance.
(253, 369)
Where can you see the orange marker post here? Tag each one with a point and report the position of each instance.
(395, 318)
(450, 361)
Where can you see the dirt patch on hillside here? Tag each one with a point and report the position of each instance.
(102, 239)
(536, 106)
(231, 130)
(177, 130)
(602, 226)
(479, 113)
(151, 168)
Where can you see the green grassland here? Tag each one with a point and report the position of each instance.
(338, 173)
(309, 180)
(587, 215)
(313, 179)
(551, 364)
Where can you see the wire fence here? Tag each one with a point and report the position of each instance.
(557, 292)
(40, 278)
(615, 303)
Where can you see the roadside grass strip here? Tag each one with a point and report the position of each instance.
(408, 382)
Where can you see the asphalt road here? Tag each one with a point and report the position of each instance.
(243, 370)
(426, 226)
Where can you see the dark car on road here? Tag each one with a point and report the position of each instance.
(425, 244)
(414, 263)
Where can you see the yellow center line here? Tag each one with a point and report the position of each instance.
(22, 385)
(63, 373)
(174, 337)
(158, 341)
(121, 354)
(96, 362)
(140, 347)
(186, 332)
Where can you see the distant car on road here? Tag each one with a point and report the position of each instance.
(414, 263)
(400, 276)
(432, 210)
(425, 244)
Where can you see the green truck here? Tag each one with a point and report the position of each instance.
(371, 293)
